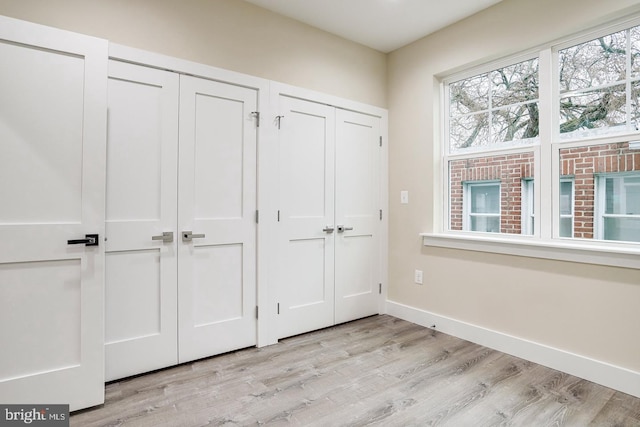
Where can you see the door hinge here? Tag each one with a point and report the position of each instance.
(380, 214)
(380, 141)
(257, 311)
(257, 216)
(256, 114)
(380, 288)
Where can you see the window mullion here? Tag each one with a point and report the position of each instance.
(547, 163)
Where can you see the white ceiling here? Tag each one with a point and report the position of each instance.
(384, 25)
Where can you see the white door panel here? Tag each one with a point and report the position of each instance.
(141, 273)
(52, 172)
(357, 209)
(306, 252)
(217, 203)
(329, 179)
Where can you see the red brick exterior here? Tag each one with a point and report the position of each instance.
(580, 163)
(583, 163)
(509, 169)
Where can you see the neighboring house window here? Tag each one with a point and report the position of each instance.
(482, 206)
(619, 207)
(566, 207)
(528, 207)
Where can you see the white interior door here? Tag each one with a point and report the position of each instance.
(306, 227)
(141, 263)
(358, 156)
(216, 217)
(52, 178)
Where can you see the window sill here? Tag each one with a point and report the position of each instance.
(588, 253)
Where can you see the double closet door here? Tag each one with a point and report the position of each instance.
(180, 219)
(329, 216)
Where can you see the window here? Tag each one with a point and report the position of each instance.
(600, 84)
(483, 206)
(494, 112)
(619, 207)
(566, 207)
(590, 121)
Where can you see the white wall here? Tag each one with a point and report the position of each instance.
(230, 34)
(589, 310)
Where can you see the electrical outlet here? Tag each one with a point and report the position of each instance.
(418, 277)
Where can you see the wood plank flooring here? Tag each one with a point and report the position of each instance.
(376, 371)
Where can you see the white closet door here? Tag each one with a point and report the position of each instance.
(52, 177)
(217, 205)
(142, 163)
(358, 157)
(306, 235)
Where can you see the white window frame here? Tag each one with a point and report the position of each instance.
(545, 242)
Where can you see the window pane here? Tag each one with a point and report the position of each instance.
(606, 190)
(622, 195)
(635, 51)
(566, 227)
(632, 195)
(601, 108)
(566, 196)
(469, 131)
(625, 229)
(491, 186)
(514, 123)
(469, 95)
(515, 84)
(491, 109)
(489, 224)
(485, 198)
(594, 63)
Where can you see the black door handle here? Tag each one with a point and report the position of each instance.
(91, 240)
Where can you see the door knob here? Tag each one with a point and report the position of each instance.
(342, 228)
(90, 240)
(166, 236)
(187, 236)
(328, 229)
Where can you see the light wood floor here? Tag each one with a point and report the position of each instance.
(375, 371)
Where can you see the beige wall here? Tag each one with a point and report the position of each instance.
(229, 34)
(586, 309)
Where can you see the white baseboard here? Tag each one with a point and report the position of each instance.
(608, 375)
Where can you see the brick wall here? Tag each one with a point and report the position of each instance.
(582, 163)
(509, 169)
